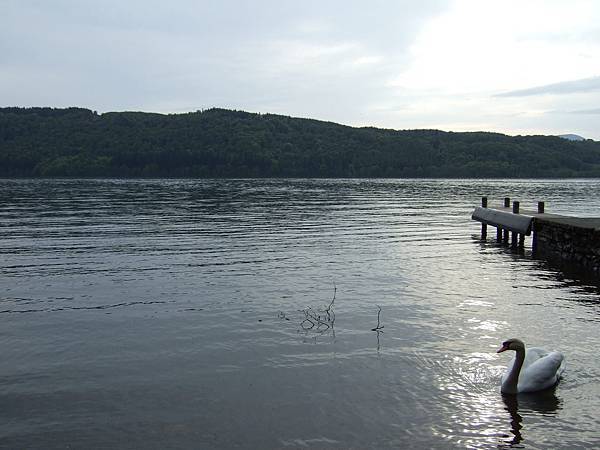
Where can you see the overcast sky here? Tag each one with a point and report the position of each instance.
(517, 67)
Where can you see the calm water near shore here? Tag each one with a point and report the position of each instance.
(173, 314)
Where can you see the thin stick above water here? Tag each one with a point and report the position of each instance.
(379, 326)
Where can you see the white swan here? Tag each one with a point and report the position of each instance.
(531, 370)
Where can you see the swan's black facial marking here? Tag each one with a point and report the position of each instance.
(504, 347)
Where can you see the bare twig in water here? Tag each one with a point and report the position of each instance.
(320, 321)
(328, 310)
(307, 321)
(379, 326)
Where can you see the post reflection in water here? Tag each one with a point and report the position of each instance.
(544, 402)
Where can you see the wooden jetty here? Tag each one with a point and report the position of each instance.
(565, 239)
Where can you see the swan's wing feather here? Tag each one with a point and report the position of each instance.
(533, 354)
(547, 365)
(561, 367)
(542, 373)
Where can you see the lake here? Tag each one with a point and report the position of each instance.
(239, 314)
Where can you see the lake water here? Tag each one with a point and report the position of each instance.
(173, 314)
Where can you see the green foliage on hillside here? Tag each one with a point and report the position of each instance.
(222, 143)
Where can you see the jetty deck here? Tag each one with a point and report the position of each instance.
(582, 222)
(564, 239)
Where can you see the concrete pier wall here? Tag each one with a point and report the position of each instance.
(571, 241)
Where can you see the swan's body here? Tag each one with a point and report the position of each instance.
(530, 370)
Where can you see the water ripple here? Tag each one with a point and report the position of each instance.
(171, 311)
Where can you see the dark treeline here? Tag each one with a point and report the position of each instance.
(222, 143)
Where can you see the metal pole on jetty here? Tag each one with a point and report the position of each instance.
(504, 230)
(516, 206)
(483, 225)
(534, 241)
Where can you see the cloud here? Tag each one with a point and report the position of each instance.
(312, 58)
(564, 87)
(586, 111)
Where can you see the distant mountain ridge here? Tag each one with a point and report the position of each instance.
(572, 137)
(77, 142)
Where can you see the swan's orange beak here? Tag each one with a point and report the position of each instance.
(502, 349)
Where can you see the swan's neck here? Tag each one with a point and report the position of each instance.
(510, 383)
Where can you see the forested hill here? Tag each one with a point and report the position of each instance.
(224, 143)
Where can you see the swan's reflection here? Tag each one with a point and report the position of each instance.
(544, 402)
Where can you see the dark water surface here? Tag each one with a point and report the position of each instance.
(171, 314)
